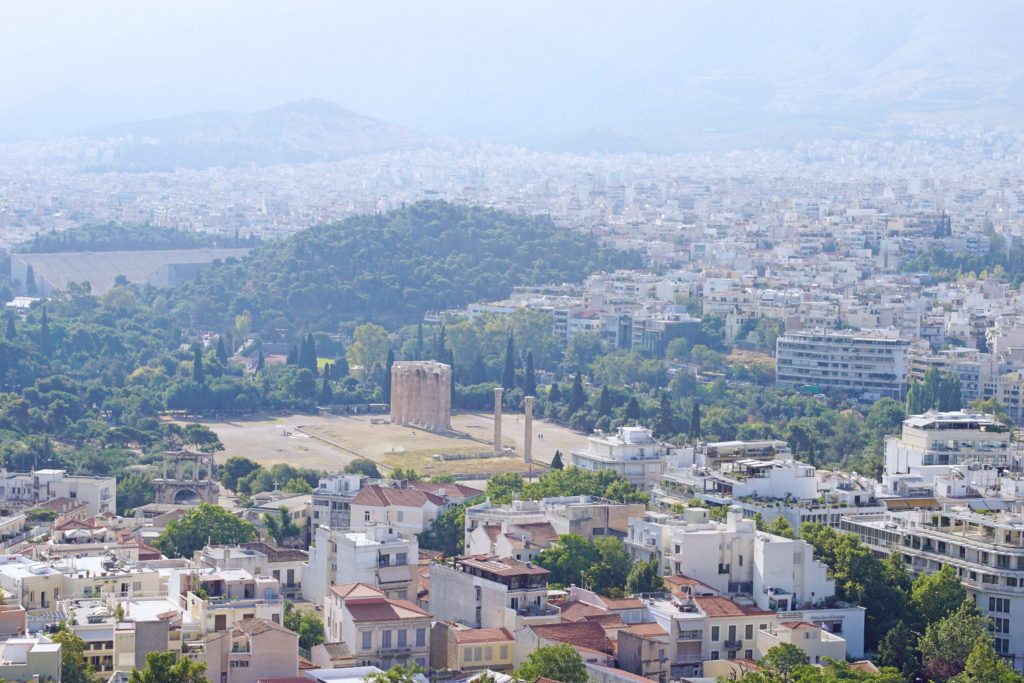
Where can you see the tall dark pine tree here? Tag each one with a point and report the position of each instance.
(222, 352)
(45, 342)
(440, 353)
(451, 363)
(341, 370)
(664, 425)
(30, 281)
(479, 370)
(577, 397)
(555, 393)
(198, 376)
(604, 402)
(329, 371)
(387, 375)
(556, 461)
(293, 355)
(260, 361)
(695, 428)
(529, 376)
(326, 394)
(508, 375)
(12, 329)
(632, 409)
(307, 354)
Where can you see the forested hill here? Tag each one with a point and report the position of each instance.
(393, 267)
(127, 237)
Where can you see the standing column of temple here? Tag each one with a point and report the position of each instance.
(528, 430)
(446, 398)
(498, 449)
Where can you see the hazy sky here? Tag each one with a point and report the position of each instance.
(477, 66)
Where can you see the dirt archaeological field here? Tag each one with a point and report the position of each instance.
(331, 442)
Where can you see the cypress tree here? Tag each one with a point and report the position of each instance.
(695, 428)
(222, 352)
(340, 369)
(508, 375)
(329, 371)
(387, 375)
(556, 462)
(664, 426)
(12, 329)
(529, 376)
(44, 334)
(451, 362)
(479, 370)
(604, 402)
(30, 281)
(326, 395)
(555, 394)
(293, 355)
(577, 398)
(198, 376)
(307, 354)
(632, 409)
(440, 345)
(259, 359)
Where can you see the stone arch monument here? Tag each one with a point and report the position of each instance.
(421, 394)
(193, 482)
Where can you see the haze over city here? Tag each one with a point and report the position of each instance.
(512, 342)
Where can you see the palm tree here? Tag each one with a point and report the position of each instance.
(280, 526)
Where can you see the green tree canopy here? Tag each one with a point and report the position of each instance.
(557, 662)
(204, 524)
(167, 667)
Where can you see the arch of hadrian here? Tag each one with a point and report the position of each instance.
(421, 394)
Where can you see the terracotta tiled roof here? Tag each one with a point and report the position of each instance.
(66, 524)
(607, 620)
(587, 634)
(540, 532)
(256, 625)
(380, 496)
(62, 505)
(718, 606)
(623, 603)
(797, 624)
(577, 611)
(384, 609)
(619, 673)
(482, 635)
(348, 591)
(746, 664)
(677, 584)
(865, 666)
(647, 630)
(451, 490)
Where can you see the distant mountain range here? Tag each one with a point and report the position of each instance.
(298, 132)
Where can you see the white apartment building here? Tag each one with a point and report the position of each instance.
(633, 452)
(490, 592)
(778, 574)
(34, 658)
(378, 557)
(99, 493)
(332, 499)
(930, 443)
(379, 631)
(867, 363)
(987, 551)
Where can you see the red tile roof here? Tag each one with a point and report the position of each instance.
(348, 591)
(623, 603)
(797, 624)
(482, 635)
(717, 606)
(577, 611)
(607, 620)
(380, 496)
(587, 634)
(451, 490)
(619, 673)
(647, 629)
(540, 532)
(384, 609)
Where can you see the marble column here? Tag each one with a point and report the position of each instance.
(528, 430)
(407, 396)
(498, 449)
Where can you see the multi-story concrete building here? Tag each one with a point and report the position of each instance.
(378, 630)
(251, 650)
(284, 564)
(332, 500)
(377, 556)
(930, 443)
(491, 592)
(987, 551)
(865, 363)
(632, 452)
(33, 658)
(229, 595)
(99, 493)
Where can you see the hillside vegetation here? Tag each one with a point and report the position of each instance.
(393, 267)
(126, 237)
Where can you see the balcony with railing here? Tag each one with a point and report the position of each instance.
(733, 644)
